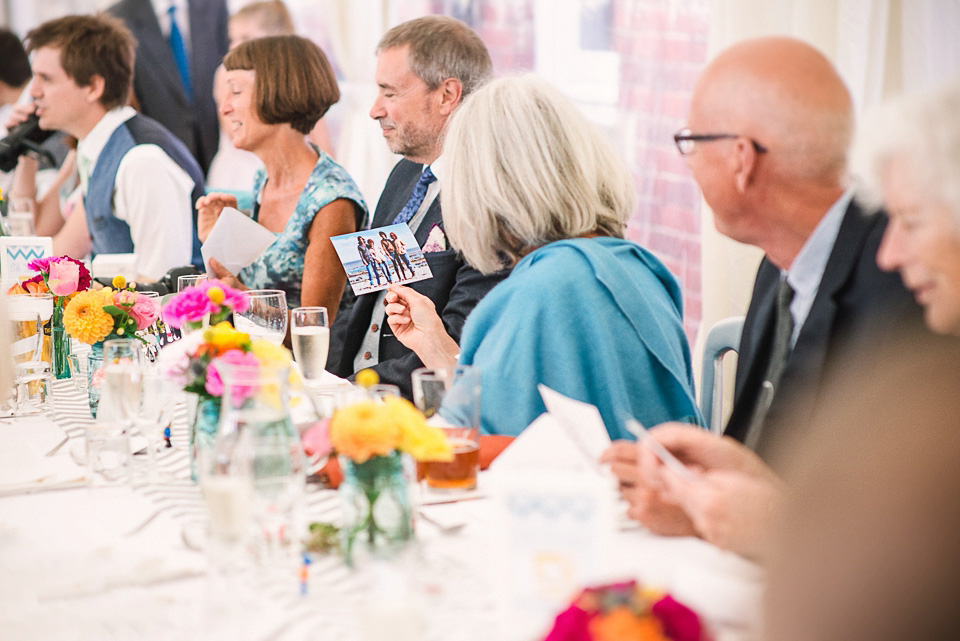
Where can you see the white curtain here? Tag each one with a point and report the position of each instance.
(881, 47)
(353, 29)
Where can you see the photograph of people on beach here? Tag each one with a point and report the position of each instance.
(374, 259)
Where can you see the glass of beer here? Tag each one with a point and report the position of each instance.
(450, 399)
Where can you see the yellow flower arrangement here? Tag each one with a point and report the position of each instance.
(367, 429)
(85, 318)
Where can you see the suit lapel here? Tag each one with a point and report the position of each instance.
(812, 345)
(754, 353)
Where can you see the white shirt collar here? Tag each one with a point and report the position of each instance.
(436, 167)
(806, 272)
(94, 142)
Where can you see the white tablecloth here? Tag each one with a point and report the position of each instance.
(70, 569)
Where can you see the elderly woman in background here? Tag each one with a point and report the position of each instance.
(278, 88)
(535, 187)
(909, 157)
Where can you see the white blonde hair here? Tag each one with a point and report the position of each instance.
(924, 131)
(525, 168)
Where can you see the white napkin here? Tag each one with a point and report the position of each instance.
(235, 241)
(23, 461)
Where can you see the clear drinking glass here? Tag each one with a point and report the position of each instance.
(20, 216)
(120, 391)
(452, 397)
(266, 317)
(157, 400)
(310, 336)
(256, 406)
(190, 280)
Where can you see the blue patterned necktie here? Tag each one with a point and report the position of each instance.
(416, 198)
(180, 53)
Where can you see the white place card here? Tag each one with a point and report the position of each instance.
(17, 251)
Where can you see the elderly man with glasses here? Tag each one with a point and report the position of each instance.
(767, 138)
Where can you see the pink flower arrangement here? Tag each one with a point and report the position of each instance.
(627, 612)
(211, 299)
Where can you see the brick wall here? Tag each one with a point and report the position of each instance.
(662, 46)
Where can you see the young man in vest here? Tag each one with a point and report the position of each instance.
(139, 182)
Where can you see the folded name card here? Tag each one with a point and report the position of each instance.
(17, 251)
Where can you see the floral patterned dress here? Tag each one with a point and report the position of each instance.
(280, 266)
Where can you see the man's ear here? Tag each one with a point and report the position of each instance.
(95, 88)
(745, 164)
(451, 92)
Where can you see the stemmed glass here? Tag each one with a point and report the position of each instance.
(190, 280)
(157, 395)
(310, 335)
(266, 317)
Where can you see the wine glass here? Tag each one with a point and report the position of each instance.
(157, 394)
(266, 317)
(190, 280)
(310, 335)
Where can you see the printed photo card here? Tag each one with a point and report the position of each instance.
(377, 258)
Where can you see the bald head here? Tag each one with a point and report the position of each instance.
(786, 95)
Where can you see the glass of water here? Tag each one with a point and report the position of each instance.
(310, 335)
(266, 317)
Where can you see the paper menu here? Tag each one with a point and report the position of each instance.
(235, 241)
(580, 421)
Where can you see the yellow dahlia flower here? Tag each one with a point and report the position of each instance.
(85, 320)
(421, 441)
(364, 430)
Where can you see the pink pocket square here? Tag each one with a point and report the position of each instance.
(436, 240)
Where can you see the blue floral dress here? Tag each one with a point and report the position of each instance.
(280, 266)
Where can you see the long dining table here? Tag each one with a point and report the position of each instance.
(126, 561)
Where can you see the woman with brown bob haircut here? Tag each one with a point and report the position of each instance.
(278, 88)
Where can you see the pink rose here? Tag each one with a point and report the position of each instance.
(145, 311)
(214, 382)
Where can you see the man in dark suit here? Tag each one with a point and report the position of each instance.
(773, 169)
(425, 68)
(179, 99)
(769, 128)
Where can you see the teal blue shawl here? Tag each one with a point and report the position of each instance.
(598, 320)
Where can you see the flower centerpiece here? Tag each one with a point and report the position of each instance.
(94, 316)
(197, 362)
(63, 277)
(627, 612)
(370, 436)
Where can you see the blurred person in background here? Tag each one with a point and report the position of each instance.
(233, 169)
(180, 43)
(278, 88)
(138, 181)
(533, 186)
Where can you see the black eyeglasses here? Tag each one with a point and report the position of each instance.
(686, 141)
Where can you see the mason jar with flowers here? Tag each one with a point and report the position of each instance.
(96, 316)
(63, 277)
(370, 438)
